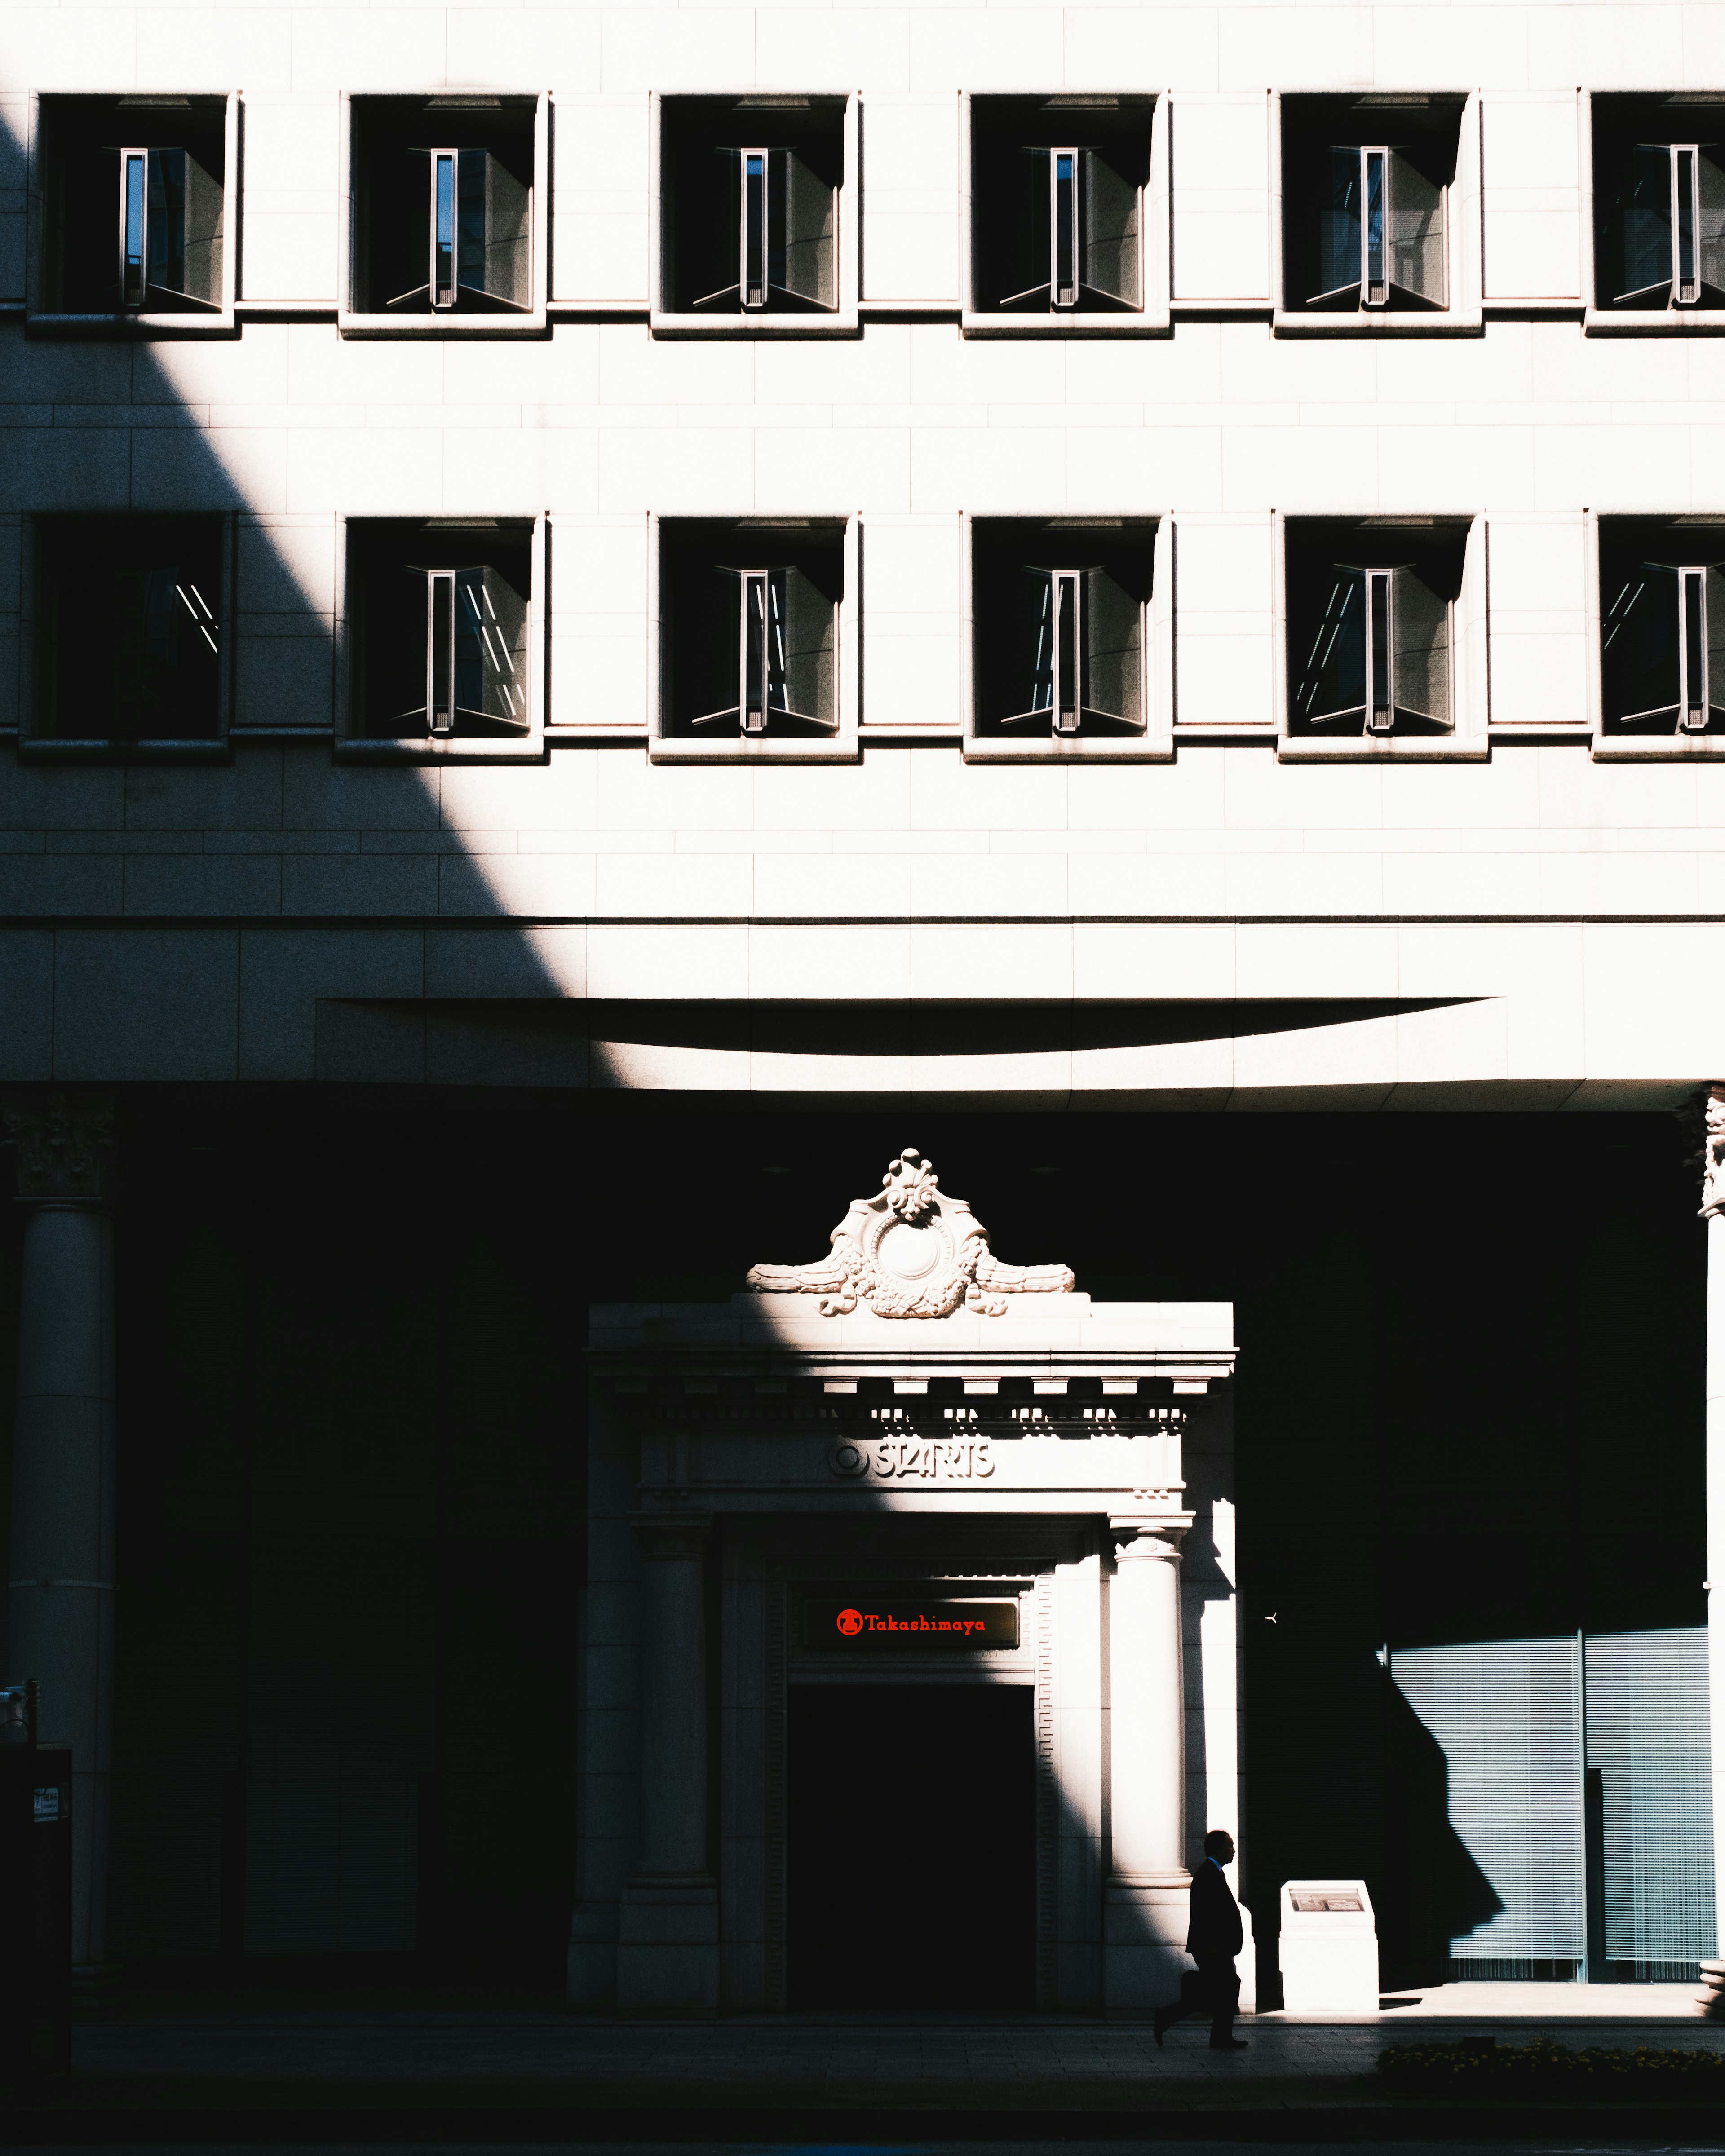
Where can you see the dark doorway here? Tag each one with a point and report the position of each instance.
(912, 1845)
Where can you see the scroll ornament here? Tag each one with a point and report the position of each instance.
(1712, 1153)
(910, 1252)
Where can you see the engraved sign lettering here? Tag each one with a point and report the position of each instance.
(913, 1459)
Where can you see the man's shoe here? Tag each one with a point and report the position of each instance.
(1160, 2023)
(1228, 2043)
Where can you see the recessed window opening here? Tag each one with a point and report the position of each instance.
(442, 206)
(1659, 188)
(438, 621)
(133, 203)
(1662, 630)
(1057, 202)
(1370, 627)
(1059, 628)
(750, 206)
(129, 630)
(750, 622)
(1366, 219)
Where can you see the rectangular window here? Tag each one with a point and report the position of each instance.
(442, 206)
(129, 637)
(1370, 624)
(750, 204)
(438, 622)
(1058, 608)
(1659, 191)
(751, 622)
(1365, 218)
(1662, 630)
(134, 206)
(1057, 220)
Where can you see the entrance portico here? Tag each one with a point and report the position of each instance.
(907, 1417)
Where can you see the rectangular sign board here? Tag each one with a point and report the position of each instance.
(899, 1622)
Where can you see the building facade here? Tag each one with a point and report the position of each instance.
(601, 603)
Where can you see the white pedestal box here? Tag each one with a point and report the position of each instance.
(1329, 1948)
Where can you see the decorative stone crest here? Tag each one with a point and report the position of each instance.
(1712, 1152)
(910, 1252)
(63, 1140)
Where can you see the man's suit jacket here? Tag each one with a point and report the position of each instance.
(1216, 1933)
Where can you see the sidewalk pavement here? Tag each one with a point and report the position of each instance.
(160, 2058)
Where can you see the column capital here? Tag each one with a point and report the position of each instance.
(1712, 1105)
(1137, 1541)
(64, 1140)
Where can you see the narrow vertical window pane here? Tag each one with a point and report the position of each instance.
(1380, 661)
(134, 218)
(1339, 227)
(754, 228)
(1683, 226)
(1373, 274)
(443, 163)
(440, 651)
(1068, 646)
(471, 191)
(753, 696)
(1063, 168)
(1693, 698)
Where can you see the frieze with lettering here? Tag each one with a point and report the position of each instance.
(911, 1457)
(902, 1623)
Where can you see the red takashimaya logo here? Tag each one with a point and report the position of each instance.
(850, 1622)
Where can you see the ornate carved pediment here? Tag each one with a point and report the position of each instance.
(910, 1252)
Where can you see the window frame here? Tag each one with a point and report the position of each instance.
(534, 321)
(1153, 316)
(35, 748)
(1154, 742)
(1607, 747)
(841, 744)
(844, 319)
(1463, 233)
(42, 320)
(1601, 318)
(1468, 739)
(352, 746)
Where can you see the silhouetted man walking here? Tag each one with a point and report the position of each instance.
(1214, 1938)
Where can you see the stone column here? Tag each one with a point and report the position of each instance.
(668, 1937)
(60, 1579)
(1713, 1213)
(1148, 1891)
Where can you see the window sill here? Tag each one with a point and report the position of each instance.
(1148, 748)
(1661, 748)
(1666, 321)
(165, 750)
(529, 749)
(1453, 321)
(1408, 748)
(440, 326)
(1143, 322)
(842, 748)
(843, 322)
(159, 328)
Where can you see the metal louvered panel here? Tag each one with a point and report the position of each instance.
(1507, 1715)
(1647, 1733)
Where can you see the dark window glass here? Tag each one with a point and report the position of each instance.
(749, 617)
(437, 626)
(134, 204)
(751, 203)
(1370, 625)
(1057, 202)
(1365, 202)
(1659, 196)
(1059, 614)
(1662, 625)
(443, 209)
(129, 627)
